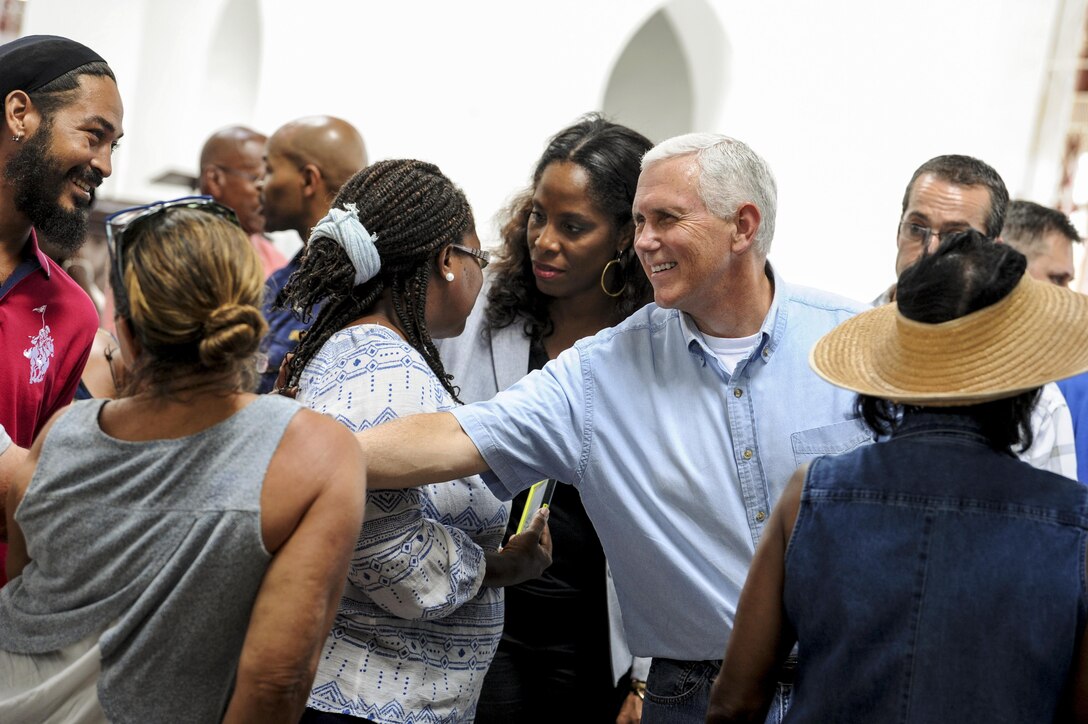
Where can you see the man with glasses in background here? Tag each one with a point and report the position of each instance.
(231, 166)
(62, 120)
(954, 193)
(306, 162)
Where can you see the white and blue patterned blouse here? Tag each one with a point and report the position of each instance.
(415, 631)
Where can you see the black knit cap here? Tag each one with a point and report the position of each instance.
(31, 62)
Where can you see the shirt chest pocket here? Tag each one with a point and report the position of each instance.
(828, 440)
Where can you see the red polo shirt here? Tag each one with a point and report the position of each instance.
(47, 325)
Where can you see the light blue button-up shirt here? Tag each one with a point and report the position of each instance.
(678, 462)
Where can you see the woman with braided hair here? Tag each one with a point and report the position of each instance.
(395, 264)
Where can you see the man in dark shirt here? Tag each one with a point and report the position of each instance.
(305, 164)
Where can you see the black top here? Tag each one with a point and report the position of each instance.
(572, 589)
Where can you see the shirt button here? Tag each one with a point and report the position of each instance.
(747, 454)
(760, 516)
(766, 351)
(738, 392)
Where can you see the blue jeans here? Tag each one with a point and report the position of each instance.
(678, 692)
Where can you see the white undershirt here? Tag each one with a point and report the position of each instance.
(731, 350)
(56, 687)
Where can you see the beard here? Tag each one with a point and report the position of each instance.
(39, 180)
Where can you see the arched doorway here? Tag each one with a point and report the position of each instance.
(656, 86)
(233, 64)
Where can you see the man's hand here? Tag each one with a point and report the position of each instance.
(631, 711)
(524, 557)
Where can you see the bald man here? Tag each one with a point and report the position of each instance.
(306, 162)
(231, 165)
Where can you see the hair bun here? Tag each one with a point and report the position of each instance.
(231, 332)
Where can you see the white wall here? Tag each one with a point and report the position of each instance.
(654, 65)
(845, 98)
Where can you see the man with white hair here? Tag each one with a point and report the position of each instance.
(680, 427)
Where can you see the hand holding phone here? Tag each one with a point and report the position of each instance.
(540, 496)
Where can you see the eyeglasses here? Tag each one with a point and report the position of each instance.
(483, 256)
(922, 234)
(123, 222)
(247, 175)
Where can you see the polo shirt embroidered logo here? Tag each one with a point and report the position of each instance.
(41, 350)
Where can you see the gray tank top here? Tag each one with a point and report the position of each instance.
(157, 546)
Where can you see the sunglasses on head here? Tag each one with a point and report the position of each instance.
(122, 223)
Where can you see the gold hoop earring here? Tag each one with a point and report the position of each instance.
(604, 272)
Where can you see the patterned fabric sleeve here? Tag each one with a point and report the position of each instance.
(410, 564)
(410, 559)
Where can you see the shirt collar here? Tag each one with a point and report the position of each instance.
(928, 423)
(770, 332)
(885, 297)
(43, 260)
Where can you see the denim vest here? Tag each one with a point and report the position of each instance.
(930, 578)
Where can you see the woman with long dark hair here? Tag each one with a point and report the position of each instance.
(566, 270)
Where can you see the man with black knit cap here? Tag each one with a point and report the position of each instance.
(62, 119)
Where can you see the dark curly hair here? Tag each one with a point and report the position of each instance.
(966, 273)
(414, 211)
(611, 155)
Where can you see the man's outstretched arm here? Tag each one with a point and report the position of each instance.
(418, 450)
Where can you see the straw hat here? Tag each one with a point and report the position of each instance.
(1037, 334)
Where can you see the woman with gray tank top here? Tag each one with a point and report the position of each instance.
(177, 554)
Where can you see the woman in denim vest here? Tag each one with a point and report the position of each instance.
(932, 576)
